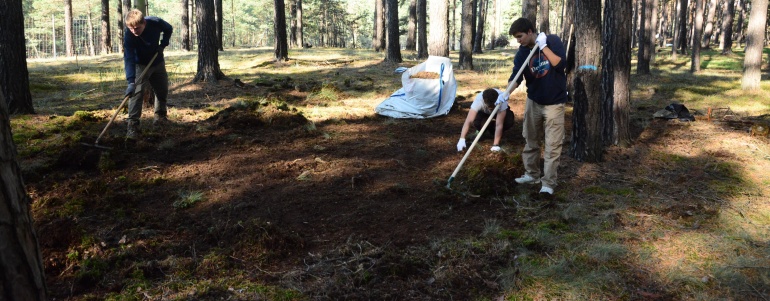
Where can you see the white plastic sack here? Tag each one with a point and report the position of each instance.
(423, 98)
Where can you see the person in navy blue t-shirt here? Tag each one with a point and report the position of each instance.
(144, 37)
(546, 78)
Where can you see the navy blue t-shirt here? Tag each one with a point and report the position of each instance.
(140, 49)
(546, 84)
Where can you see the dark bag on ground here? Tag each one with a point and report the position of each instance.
(673, 111)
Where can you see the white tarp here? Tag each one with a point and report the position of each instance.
(423, 98)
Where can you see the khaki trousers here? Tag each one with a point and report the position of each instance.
(157, 78)
(543, 122)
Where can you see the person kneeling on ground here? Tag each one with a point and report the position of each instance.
(481, 108)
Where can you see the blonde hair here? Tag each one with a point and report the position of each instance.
(134, 17)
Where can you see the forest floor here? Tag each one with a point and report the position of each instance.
(290, 187)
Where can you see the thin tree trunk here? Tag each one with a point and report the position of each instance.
(681, 44)
(106, 41)
(466, 40)
(69, 43)
(300, 21)
(411, 32)
(739, 25)
(755, 43)
(727, 27)
(185, 30)
(587, 144)
(478, 39)
(645, 38)
(616, 73)
(439, 28)
(208, 54)
(422, 29)
(709, 29)
(494, 24)
(393, 54)
(220, 19)
(379, 25)
(90, 34)
(697, 33)
(126, 7)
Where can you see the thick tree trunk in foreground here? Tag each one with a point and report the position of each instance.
(14, 76)
(208, 54)
(587, 145)
(379, 25)
(616, 73)
(21, 266)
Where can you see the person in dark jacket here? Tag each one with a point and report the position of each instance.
(144, 37)
(546, 79)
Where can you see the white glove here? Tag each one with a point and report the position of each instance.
(495, 148)
(502, 97)
(461, 144)
(540, 41)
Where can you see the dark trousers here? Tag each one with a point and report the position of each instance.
(482, 117)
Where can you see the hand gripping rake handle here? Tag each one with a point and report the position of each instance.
(483, 128)
(123, 103)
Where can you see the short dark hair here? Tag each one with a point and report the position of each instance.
(490, 97)
(522, 25)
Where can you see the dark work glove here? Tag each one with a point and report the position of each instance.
(130, 89)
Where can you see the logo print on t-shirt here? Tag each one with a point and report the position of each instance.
(539, 65)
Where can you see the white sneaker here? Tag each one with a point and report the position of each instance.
(527, 179)
(546, 189)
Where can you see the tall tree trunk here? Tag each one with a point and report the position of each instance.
(494, 24)
(616, 73)
(569, 40)
(411, 31)
(300, 29)
(755, 43)
(680, 43)
(126, 7)
(466, 39)
(708, 31)
(21, 265)
(121, 29)
(281, 45)
(90, 34)
(293, 26)
(393, 54)
(14, 76)
(697, 33)
(529, 10)
(453, 26)
(220, 19)
(106, 41)
(208, 54)
(185, 30)
(379, 25)
(544, 23)
(439, 30)
(69, 41)
(478, 39)
(727, 27)
(739, 25)
(587, 144)
(645, 37)
(422, 29)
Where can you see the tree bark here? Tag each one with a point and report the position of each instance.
(439, 30)
(646, 38)
(755, 43)
(697, 34)
(466, 39)
(708, 31)
(281, 44)
(393, 54)
(616, 73)
(411, 31)
(587, 145)
(69, 43)
(208, 54)
(21, 265)
(478, 39)
(14, 76)
(219, 18)
(90, 34)
(106, 41)
(680, 41)
(529, 10)
(300, 21)
(422, 29)
(379, 25)
(126, 7)
(185, 26)
(544, 23)
(727, 27)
